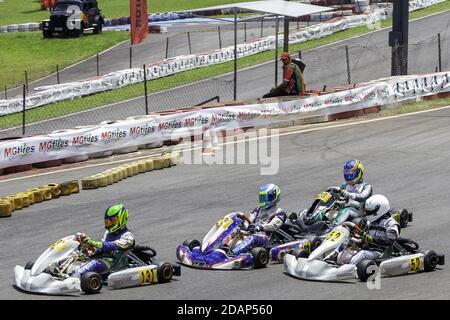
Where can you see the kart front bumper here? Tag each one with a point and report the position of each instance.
(318, 270)
(44, 283)
(216, 259)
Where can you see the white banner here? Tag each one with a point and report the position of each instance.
(50, 94)
(124, 134)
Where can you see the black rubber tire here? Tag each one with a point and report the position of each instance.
(29, 265)
(430, 260)
(362, 271)
(164, 272)
(98, 28)
(260, 257)
(46, 34)
(293, 216)
(191, 244)
(300, 253)
(91, 282)
(315, 243)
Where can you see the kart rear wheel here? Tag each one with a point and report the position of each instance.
(91, 282)
(430, 260)
(164, 272)
(260, 257)
(191, 244)
(365, 269)
(300, 253)
(315, 243)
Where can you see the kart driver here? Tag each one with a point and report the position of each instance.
(383, 230)
(266, 219)
(116, 240)
(354, 188)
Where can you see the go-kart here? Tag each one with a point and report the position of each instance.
(215, 250)
(51, 272)
(401, 257)
(328, 210)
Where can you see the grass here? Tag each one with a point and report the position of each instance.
(416, 106)
(72, 106)
(22, 11)
(29, 51)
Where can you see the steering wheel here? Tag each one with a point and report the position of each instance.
(355, 231)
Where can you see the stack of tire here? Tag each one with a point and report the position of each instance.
(50, 191)
(125, 171)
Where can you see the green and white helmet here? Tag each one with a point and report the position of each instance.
(116, 218)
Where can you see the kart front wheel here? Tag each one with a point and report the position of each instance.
(191, 244)
(365, 269)
(91, 282)
(164, 272)
(300, 253)
(430, 260)
(260, 257)
(405, 217)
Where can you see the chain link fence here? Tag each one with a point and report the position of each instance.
(351, 61)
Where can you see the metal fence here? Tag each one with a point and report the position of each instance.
(351, 61)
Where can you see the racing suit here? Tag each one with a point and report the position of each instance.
(109, 251)
(268, 220)
(357, 195)
(382, 232)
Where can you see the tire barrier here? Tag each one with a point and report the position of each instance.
(117, 174)
(6, 208)
(50, 94)
(31, 196)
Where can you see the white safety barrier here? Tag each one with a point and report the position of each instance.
(54, 93)
(133, 132)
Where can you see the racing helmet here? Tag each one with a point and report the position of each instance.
(376, 207)
(269, 194)
(116, 218)
(353, 171)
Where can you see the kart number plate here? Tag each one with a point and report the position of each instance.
(323, 196)
(334, 236)
(147, 276)
(58, 29)
(414, 264)
(59, 245)
(224, 222)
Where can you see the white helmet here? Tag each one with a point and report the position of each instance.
(376, 207)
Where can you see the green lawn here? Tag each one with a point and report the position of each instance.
(71, 106)
(21, 11)
(29, 51)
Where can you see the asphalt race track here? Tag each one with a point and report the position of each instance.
(406, 159)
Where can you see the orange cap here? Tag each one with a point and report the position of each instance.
(285, 55)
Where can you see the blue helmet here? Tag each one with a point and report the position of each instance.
(353, 171)
(269, 194)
